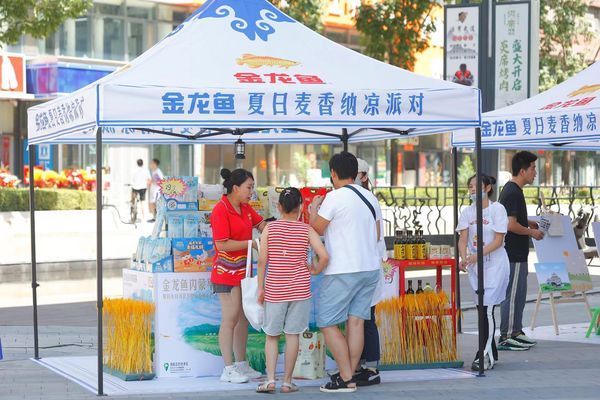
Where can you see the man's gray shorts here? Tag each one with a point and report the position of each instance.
(290, 317)
(342, 295)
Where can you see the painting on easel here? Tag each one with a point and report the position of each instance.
(552, 277)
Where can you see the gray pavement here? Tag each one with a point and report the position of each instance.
(552, 370)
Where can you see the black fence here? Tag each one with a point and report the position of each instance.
(431, 208)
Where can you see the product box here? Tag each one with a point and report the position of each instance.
(434, 251)
(163, 265)
(180, 193)
(445, 251)
(193, 254)
(209, 196)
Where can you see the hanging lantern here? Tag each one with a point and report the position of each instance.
(240, 150)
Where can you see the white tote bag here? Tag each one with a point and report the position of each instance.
(310, 363)
(252, 309)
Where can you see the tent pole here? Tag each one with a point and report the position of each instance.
(34, 284)
(479, 207)
(345, 138)
(99, 257)
(456, 252)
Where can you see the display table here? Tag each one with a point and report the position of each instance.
(422, 265)
(419, 330)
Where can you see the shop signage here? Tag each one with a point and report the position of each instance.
(12, 73)
(462, 45)
(511, 51)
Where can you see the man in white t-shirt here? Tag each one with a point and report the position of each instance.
(349, 219)
(139, 185)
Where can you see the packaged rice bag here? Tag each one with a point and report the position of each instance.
(174, 225)
(204, 228)
(257, 205)
(140, 249)
(190, 225)
(308, 195)
(273, 194)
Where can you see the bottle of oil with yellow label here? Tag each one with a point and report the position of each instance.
(421, 246)
(397, 245)
(410, 246)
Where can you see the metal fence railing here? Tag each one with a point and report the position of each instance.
(430, 208)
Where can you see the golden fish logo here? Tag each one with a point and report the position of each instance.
(587, 89)
(253, 61)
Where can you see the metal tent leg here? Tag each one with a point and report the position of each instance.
(479, 205)
(99, 257)
(456, 252)
(34, 284)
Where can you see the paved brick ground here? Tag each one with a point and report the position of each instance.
(552, 370)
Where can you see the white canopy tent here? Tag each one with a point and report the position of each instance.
(243, 69)
(235, 66)
(561, 118)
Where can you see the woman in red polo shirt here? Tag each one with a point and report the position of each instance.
(232, 222)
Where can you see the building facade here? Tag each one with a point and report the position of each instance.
(114, 32)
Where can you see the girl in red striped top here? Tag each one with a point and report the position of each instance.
(285, 291)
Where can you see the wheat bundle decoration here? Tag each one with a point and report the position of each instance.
(128, 338)
(416, 329)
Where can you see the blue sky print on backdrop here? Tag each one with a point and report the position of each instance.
(253, 18)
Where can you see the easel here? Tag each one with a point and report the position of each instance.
(548, 254)
(566, 297)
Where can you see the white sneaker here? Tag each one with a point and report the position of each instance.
(233, 375)
(245, 369)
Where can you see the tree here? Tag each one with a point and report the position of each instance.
(396, 30)
(307, 12)
(561, 24)
(38, 18)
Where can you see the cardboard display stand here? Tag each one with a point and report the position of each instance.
(563, 249)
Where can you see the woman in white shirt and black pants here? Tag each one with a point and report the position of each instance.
(495, 260)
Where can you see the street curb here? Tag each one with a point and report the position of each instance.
(531, 299)
(15, 272)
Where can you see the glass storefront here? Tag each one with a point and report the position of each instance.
(117, 30)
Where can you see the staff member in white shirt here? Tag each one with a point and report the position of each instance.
(495, 259)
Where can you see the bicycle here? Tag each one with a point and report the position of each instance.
(133, 204)
(133, 209)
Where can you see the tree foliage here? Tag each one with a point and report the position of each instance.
(307, 12)
(396, 30)
(561, 24)
(38, 18)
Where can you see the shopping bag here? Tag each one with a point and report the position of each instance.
(552, 224)
(253, 310)
(310, 363)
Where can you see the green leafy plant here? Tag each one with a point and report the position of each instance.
(562, 22)
(396, 30)
(38, 18)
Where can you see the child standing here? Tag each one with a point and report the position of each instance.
(286, 290)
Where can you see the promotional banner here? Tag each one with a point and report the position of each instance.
(565, 116)
(511, 53)
(462, 45)
(188, 317)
